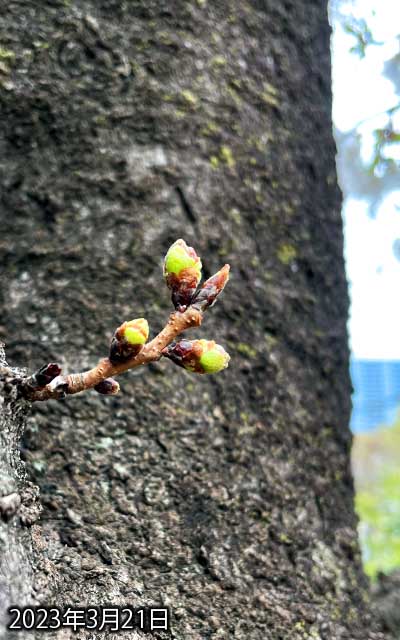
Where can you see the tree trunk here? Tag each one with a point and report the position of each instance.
(17, 496)
(229, 499)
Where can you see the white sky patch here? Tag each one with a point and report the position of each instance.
(374, 275)
(361, 93)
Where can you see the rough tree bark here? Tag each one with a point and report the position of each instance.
(125, 125)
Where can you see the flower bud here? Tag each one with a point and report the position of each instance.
(129, 339)
(107, 387)
(198, 356)
(210, 289)
(182, 272)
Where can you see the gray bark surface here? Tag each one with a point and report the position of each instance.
(124, 126)
(386, 599)
(19, 506)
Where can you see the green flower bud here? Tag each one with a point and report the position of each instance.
(182, 272)
(136, 331)
(179, 257)
(129, 339)
(198, 356)
(214, 357)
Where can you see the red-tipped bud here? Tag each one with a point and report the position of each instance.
(45, 375)
(198, 356)
(107, 387)
(211, 288)
(128, 340)
(182, 272)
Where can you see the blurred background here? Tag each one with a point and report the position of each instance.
(366, 114)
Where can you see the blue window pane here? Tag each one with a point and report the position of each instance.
(376, 396)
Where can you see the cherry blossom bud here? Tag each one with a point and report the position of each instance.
(107, 387)
(198, 356)
(129, 339)
(182, 272)
(211, 288)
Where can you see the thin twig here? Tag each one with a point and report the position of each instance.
(128, 348)
(77, 382)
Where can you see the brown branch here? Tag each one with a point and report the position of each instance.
(128, 348)
(77, 382)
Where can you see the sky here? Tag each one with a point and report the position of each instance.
(362, 93)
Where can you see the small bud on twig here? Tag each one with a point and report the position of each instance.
(129, 339)
(45, 374)
(210, 289)
(128, 349)
(39, 380)
(198, 356)
(182, 272)
(107, 387)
